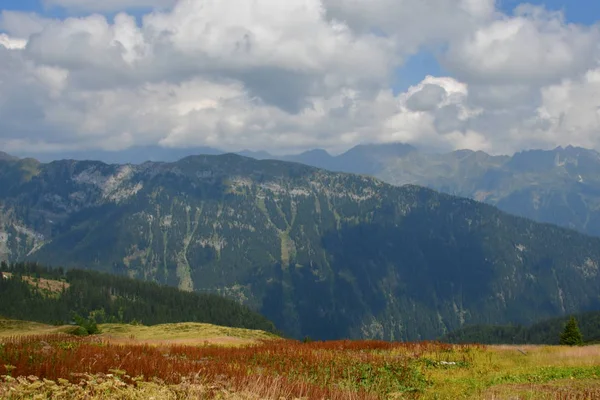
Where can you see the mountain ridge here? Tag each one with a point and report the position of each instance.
(323, 254)
(7, 157)
(558, 186)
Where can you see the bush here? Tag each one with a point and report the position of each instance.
(79, 331)
(86, 326)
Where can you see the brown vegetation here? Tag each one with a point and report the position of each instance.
(93, 368)
(49, 285)
(333, 370)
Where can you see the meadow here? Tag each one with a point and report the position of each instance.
(57, 366)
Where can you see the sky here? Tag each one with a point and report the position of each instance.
(287, 76)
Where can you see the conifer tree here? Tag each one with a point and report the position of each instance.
(571, 336)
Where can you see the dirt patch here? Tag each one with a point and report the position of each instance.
(49, 285)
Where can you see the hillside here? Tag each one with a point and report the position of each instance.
(189, 333)
(13, 327)
(560, 186)
(7, 157)
(31, 292)
(323, 254)
(542, 332)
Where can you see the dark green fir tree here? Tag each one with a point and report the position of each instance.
(571, 336)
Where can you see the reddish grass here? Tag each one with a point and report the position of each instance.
(333, 370)
(352, 370)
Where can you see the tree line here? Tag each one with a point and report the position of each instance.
(112, 299)
(569, 330)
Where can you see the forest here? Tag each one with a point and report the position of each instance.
(542, 332)
(30, 291)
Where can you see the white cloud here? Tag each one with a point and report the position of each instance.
(108, 5)
(572, 111)
(441, 122)
(534, 46)
(12, 43)
(412, 23)
(297, 74)
(20, 24)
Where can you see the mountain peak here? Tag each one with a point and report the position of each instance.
(7, 157)
(387, 149)
(235, 164)
(316, 152)
(259, 155)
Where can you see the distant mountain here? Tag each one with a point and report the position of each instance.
(259, 155)
(133, 155)
(560, 186)
(316, 158)
(6, 157)
(323, 254)
(363, 159)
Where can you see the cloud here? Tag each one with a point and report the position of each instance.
(22, 25)
(571, 111)
(293, 75)
(427, 98)
(412, 23)
(12, 43)
(534, 46)
(440, 123)
(108, 5)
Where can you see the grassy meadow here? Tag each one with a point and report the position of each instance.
(195, 361)
(190, 333)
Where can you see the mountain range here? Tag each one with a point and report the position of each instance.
(320, 253)
(560, 186)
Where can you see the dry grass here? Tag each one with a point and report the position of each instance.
(47, 285)
(273, 369)
(161, 367)
(11, 327)
(103, 386)
(182, 334)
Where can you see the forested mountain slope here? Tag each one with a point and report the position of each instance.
(323, 254)
(560, 186)
(32, 292)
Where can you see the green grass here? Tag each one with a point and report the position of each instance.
(501, 372)
(186, 333)
(181, 331)
(11, 327)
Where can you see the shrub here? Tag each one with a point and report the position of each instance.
(86, 326)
